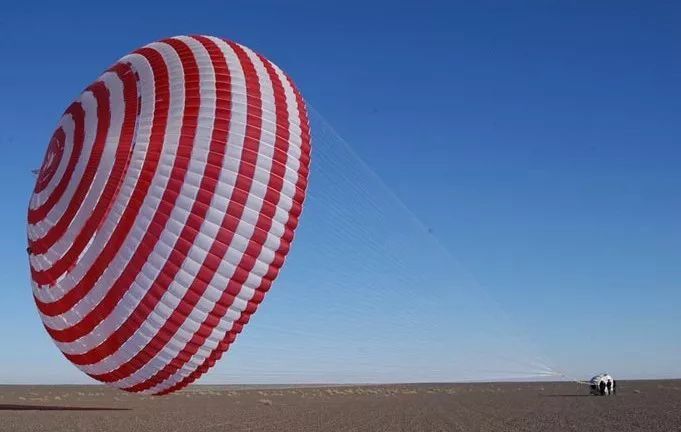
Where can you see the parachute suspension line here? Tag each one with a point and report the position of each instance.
(376, 297)
(320, 121)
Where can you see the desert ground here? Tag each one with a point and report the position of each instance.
(638, 406)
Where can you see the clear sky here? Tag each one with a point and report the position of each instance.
(540, 143)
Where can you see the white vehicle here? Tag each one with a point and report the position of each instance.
(595, 383)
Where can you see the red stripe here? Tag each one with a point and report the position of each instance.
(156, 227)
(37, 214)
(220, 245)
(188, 234)
(128, 217)
(113, 184)
(263, 225)
(49, 168)
(41, 245)
(274, 266)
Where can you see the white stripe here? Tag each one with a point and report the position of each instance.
(68, 125)
(233, 256)
(89, 104)
(158, 257)
(295, 131)
(267, 255)
(102, 174)
(143, 132)
(174, 292)
(225, 272)
(39, 199)
(161, 251)
(56, 292)
(177, 289)
(140, 227)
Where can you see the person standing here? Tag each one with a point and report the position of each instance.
(614, 387)
(601, 387)
(609, 385)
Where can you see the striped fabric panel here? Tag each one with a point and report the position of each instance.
(164, 209)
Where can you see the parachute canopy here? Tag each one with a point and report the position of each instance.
(164, 209)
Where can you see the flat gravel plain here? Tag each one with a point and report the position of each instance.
(638, 406)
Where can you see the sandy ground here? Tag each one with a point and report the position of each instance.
(638, 406)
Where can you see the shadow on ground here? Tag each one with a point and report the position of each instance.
(5, 407)
(567, 395)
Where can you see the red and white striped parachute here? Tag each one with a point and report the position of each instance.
(164, 209)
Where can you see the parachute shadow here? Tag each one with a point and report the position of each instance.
(567, 395)
(10, 407)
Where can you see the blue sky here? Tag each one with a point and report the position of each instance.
(539, 142)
